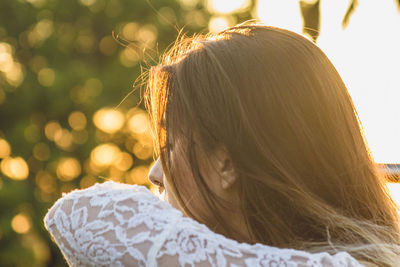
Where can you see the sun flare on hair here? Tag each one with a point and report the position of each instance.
(365, 54)
(369, 71)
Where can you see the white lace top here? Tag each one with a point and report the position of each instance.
(113, 224)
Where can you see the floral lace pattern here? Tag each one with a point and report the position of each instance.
(113, 224)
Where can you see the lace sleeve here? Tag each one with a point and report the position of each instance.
(114, 224)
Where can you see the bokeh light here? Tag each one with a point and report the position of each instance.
(5, 148)
(227, 6)
(6, 59)
(63, 139)
(105, 154)
(142, 151)
(116, 175)
(147, 35)
(109, 120)
(15, 168)
(68, 169)
(11, 69)
(129, 57)
(138, 175)
(167, 15)
(77, 120)
(51, 128)
(87, 2)
(139, 123)
(123, 161)
(189, 4)
(219, 23)
(40, 32)
(37, 3)
(46, 77)
(130, 30)
(46, 182)
(21, 223)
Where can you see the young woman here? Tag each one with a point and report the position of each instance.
(261, 149)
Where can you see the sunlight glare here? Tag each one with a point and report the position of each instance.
(226, 6)
(366, 56)
(394, 189)
(283, 14)
(219, 23)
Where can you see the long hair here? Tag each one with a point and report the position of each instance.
(278, 106)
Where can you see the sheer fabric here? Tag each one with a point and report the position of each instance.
(113, 224)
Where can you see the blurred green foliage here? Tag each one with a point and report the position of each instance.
(60, 62)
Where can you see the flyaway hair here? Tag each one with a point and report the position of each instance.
(276, 103)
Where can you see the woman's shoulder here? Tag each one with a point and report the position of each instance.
(108, 198)
(108, 224)
(114, 224)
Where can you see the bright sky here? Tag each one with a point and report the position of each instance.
(366, 55)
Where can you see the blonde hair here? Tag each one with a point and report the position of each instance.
(277, 104)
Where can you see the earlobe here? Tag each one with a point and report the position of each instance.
(226, 170)
(224, 167)
(228, 179)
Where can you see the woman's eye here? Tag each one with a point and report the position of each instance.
(157, 183)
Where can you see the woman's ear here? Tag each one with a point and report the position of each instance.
(225, 168)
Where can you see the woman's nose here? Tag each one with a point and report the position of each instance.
(156, 173)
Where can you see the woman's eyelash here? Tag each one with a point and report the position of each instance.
(159, 184)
